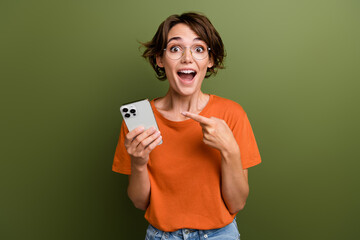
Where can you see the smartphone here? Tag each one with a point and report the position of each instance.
(137, 114)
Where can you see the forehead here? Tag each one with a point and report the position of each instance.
(182, 32)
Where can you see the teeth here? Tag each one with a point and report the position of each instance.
(187, 71)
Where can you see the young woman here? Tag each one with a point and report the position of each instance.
(194, 183)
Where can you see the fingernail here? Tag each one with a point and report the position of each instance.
(183, 113)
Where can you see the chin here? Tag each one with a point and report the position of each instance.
(186, 86)
(187, 89)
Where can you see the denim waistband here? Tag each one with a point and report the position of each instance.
(230, 231)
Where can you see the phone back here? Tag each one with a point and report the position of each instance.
(137, 114)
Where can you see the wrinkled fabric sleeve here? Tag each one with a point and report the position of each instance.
(122, 161)
(243, 133)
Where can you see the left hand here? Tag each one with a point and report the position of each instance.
(216, 133)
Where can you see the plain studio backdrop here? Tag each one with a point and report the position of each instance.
(67, 66)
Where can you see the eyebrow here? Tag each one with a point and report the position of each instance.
(179, 38)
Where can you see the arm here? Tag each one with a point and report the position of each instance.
(139, 144)
(139, 186)
(234, 184)
(234, 180)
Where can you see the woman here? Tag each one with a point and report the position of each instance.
(194, 183)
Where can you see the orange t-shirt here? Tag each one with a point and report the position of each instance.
(185, 173)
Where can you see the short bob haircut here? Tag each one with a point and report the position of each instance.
(201, 25)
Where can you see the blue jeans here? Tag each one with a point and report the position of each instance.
(229, 232)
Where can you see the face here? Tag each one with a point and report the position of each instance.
(185, 75)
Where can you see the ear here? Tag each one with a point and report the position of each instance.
(159, 61)
(211, 62)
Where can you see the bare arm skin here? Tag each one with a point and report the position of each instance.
(234, 184)
(139, 143)
(234, 180)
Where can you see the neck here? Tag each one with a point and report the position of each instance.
(174, 103)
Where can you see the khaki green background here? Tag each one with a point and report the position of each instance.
(67, 66)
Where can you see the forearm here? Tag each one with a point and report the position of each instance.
(234, 184)
(139, 186)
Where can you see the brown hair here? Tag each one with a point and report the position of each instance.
(201, 25)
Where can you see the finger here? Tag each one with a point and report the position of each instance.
(135, 132)
(137, 140)
(148, 140)
(153, 145)
(197, 117)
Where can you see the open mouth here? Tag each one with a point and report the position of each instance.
(186, 75)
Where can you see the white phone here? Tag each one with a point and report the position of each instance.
(137, 114)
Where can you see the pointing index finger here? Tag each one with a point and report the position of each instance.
(197, 117)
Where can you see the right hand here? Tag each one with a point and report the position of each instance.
(139, 143)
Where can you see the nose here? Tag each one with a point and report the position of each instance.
(187, 55)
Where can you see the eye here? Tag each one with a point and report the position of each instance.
(199, 49)
(175, 49)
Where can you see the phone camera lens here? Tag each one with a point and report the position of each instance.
(132, 110)
(127, 115)
(125, 110)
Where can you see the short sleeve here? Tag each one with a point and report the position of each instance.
(245, 138)
(122, 161)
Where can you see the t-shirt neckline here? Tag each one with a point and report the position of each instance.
(179, 123)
